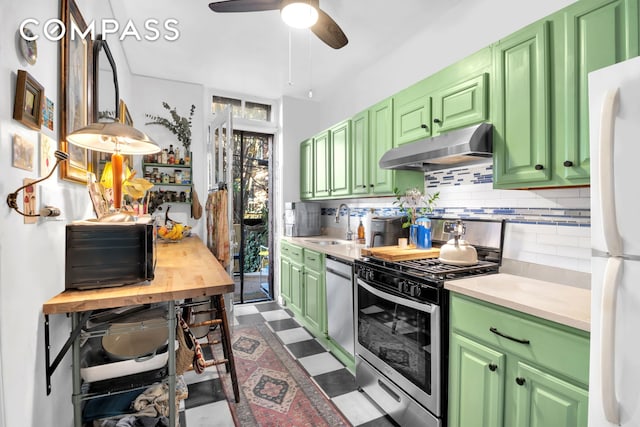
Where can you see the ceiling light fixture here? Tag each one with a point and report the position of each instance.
(118, 139)
(299, 13)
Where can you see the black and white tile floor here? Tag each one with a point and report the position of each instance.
(206, 405)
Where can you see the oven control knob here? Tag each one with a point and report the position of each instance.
(416, 290)
(368, 274)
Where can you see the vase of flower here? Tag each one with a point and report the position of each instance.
(415, 207)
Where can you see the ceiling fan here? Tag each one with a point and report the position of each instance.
(324, 27)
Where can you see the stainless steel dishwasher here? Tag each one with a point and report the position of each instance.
(339, 279)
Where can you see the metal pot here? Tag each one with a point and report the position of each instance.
(458, 252)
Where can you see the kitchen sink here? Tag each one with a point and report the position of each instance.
(326, 242)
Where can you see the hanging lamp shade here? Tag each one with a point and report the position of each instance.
(113, 137)
(118, 139)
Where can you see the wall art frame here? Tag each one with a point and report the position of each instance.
(29, 101)
(76, 84)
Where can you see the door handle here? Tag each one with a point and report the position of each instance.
(518, 340)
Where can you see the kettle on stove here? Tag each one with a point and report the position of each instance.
(458, 251)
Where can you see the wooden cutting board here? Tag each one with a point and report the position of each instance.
(394, 253)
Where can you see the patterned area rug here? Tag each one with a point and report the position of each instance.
(274, 389)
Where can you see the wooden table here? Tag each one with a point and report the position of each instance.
(186, 269)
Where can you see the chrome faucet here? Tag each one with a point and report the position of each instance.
(349, 232)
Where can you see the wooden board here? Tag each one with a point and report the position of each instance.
(394, 253)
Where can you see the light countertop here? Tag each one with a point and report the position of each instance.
(563, 304)
(348, 250)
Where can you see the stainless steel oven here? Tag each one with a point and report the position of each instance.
(402, 325)
(401, 338)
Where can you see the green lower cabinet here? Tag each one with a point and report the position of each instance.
(476, 384)
(285, 278)
(509, 369)
(314, 300)
(541, 399)
(297, 287)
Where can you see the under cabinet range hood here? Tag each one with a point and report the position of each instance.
(463, 147)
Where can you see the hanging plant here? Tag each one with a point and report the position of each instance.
(178, 125)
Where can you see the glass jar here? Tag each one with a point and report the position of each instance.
(177, 174)
(156, 175)
(165, 178)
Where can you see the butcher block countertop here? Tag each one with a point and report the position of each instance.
(186, 269)
(562, 304)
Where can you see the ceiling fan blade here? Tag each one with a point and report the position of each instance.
(244, 5)
(328, 31)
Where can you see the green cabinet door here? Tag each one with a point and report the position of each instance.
(598, 34)
(285, 278)
(476, 384)
(521, 107)
(340, 164)
(543, 400)
(297, 287)
(314, 301)
(460, 105)
(306, 169)
(380, 141)
(411, 116)
(321, 164)
(360, 153)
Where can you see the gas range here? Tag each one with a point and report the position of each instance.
(423, 279)
(402, 324)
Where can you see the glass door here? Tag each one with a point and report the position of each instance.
(252, 270)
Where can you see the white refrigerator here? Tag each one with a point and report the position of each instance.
(614, 128)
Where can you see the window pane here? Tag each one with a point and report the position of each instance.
(256, 111)
(218, 103)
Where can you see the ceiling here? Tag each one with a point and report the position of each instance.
(249, 54)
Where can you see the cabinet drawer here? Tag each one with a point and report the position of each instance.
(559, 348)
(293, 252)
(313, 260)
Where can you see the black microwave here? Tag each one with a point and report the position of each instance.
(102, 254)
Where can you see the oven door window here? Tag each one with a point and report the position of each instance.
(398, 333)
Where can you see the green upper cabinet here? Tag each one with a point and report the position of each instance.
(360, 150)
(411, 115)
(321, 164)
(597, 34)
(460, 105)
(521, 108)
(380, 141)
(340, 165)
(306, 169)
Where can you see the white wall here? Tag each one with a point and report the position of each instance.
(31, 256)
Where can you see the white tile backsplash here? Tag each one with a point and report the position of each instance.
(550, 227)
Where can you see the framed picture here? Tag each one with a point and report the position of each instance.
(29, 101)
(47, 113)
(125, 114)
(47, 154)
(76, 84)
(23, 153)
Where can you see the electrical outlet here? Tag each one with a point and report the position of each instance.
(29, 201)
